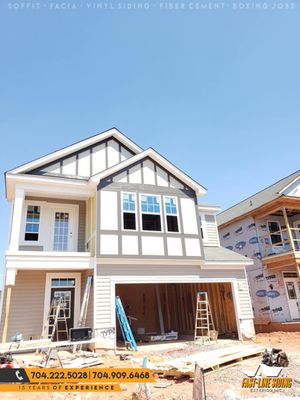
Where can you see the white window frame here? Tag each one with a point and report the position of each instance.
(280, 233)
(45, 234)
(153, 213)
(131, 212)
(40, 241)
(172, 215)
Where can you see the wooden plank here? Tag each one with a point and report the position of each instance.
(207, 360)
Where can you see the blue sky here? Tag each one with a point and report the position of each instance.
(216, 92)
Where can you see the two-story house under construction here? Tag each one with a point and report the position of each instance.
(266, 227)
(127, 216)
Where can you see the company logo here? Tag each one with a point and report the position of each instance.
(266, 379)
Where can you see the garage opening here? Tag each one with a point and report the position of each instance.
(177, 308)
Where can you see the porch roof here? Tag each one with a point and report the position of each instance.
(221, 254)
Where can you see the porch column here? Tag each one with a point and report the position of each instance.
(288, 229)
(6, 315)
(16, 219)
(9, 283)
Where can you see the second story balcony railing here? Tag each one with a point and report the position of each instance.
(278, 242)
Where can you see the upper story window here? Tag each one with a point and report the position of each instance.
(150, 213)
(171, 214)
(32, 226)
(129, 211)
(275, 232)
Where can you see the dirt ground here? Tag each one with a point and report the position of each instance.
(224, 383)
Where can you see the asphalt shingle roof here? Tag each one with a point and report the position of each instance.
(257, 200)
(221, 254)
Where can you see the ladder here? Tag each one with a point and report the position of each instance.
(124, 325)
(84, 308)
(204, 323)
(85, 302)
(51, 327)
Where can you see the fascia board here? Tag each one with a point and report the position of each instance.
(211, 209)
(48, 185)
(290, 184)
(76, 147)
(200, 190)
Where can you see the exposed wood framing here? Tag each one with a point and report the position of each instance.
(286, 220)
(178, 305)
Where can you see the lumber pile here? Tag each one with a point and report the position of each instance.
(208, 360)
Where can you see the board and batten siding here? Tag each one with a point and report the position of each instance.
(113, 240)
(87, 162)
(81, 221)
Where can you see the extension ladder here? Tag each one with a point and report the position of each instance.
(84, 308)
(124, 325)
(85, 302)
(204, 323)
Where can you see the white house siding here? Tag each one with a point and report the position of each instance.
(210, 230)
(107, 276)
(89, 161)
(243, 237)
(27, 303)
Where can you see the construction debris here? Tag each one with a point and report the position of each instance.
(208, 361)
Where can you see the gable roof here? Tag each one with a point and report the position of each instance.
(155, 156)
(51, 157)
(257, 200)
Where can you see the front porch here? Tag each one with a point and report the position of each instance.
(26, 303)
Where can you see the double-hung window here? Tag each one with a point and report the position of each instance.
(171, 214)
(129, 211)
(150, 213)
(32, 225)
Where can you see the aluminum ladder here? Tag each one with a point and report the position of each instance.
(204, 323)
(84, 308)
(124, 325)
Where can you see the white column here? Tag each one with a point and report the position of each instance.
(17, 219)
